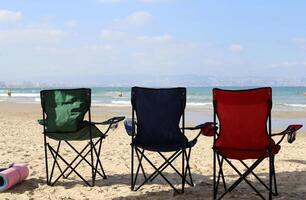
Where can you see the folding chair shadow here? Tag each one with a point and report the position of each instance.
(63, 113)
(243, 116)
(154, 127)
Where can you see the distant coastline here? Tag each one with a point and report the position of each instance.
(284, 98)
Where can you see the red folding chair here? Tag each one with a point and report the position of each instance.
(244, 118)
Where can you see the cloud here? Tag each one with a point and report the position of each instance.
(100, 47)
(213, 62)
(163, 54)
(112, 34)
(71, 23)
(288, 64)
(299, 42)
(153, 1)
(125, 1)
(109, 1)
(236, 48)
(138, 18)
(30, 34)
(7, 15)
(155, 39)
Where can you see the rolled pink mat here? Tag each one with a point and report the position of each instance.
(16, 173)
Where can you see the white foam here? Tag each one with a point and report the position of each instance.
(20, 95)
(294, 105)
(199, 104)
(109, 105)
(121, 102)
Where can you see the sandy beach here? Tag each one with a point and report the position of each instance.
(21, 141)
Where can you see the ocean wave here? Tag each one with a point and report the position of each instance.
(20, 95)
(292, 105)
(109, 105)
(199, 104)
(121, 102)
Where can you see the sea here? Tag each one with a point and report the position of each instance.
(284, 98)
(198, 98)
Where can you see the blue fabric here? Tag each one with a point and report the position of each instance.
(128, 124)
(158, 113)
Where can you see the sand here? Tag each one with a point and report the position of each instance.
(21, 141)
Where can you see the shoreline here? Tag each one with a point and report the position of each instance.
(194, 115)
(195, 105)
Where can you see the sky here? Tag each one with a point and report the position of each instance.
(92, 38)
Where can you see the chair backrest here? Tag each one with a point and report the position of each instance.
(65, 108)
(243, 117)
(158, 113)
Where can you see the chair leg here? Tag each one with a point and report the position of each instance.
(167, 163)
(139, 167)
(132, 168)
(158, 170)
(46, 161)
(274, 175)
(220, 174)
(243, 177)
(56, 163)
(92, 164)
(98, 162)
(80, 154)
(214, 176)
(183, 170)
(188, 168)
(270, 177)
(263, 183)
(53, 153)
(137, 151)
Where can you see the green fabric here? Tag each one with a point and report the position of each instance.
(65, 109)
(82, 134)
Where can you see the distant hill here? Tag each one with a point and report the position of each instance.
(152, 80)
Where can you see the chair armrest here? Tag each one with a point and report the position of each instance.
(290, 131)
(41, 122)
(207, 129)
(110, 121)
(200, 126)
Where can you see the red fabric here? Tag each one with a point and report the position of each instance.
(242, 118)
(208, 130)
(240, 154)
(295, 127)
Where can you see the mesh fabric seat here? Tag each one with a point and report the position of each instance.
(243, 116)
(158, 113)
(63, 120)
(81, 134)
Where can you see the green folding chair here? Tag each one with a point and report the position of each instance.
(63, 120)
